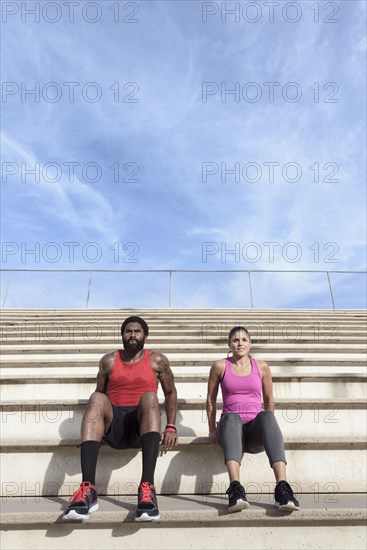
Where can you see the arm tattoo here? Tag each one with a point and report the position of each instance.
(166, 379)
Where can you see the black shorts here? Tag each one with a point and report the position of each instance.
(124, 432)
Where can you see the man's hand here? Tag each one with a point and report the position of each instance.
(169, 439)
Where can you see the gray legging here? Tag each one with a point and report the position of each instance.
(261, 433)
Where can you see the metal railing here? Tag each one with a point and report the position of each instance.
(170, 272)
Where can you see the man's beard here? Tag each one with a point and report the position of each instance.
(131, 347)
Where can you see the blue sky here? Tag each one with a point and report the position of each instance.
(173, 131)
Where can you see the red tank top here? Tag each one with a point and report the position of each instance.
(128, 381)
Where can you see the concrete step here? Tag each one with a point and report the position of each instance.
(325, 521)
(193, 467)
(193, 359)
(342, 418)
(191, 325)
(183, 311)
(90, 369)
(93, 331)
(179, 339)
(14, 387)
(318, 368)
(206, 323)
(190, 322)
(163, 315)
(199, 348)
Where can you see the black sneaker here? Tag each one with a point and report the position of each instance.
(237, 497)
(147, 509)
(284, 497)
(83, 501)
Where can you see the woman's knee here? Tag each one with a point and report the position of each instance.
(232, 419)
(266, 417)
(270, 429)
(230, 425)
(266, 414)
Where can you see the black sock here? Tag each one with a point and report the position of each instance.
(89, 456)
(150, 446)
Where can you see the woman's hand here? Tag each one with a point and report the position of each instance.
(213, 438)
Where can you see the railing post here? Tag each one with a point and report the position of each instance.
(249, 282)
(89, 285)
(169, 289)
(7, 288)
(170, 271)
(331, 290)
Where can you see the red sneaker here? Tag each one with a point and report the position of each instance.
(147, 509)
(83, 501)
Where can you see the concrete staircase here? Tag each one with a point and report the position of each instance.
(318, 360)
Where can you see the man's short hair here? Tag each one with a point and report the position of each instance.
(135, 319)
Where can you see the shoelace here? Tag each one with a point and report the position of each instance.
(81, 493)
(146, 493)
(286, 490)
(234, 490)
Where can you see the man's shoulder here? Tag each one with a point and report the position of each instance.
(108, 360)
(158, 358)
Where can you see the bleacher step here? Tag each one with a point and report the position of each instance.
(188, 508)
(298, 358)
(318, 362)
(341, 417)
(52, 467)
(76, 385)
(189, 522)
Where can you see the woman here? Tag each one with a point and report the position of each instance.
(244, 427)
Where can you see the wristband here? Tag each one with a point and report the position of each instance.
(171, 428)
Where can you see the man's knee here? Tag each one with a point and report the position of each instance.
(98, 396)
(148, 400)
(98, 406)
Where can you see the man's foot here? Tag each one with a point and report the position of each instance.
(237, 497)
(284, 497)
(83, 501)
(147, 509)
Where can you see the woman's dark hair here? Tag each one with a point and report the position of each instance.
(237, 329)
(135, 319)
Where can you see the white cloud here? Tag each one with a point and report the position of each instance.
(74, 204)
(170, 132)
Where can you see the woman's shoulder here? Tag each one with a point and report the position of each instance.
(218, 367)
(263, 365)
(220, 363)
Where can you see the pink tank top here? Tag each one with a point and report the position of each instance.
(242, 394)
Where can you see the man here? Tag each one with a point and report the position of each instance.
(124, 412)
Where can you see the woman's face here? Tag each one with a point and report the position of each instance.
(239, 344)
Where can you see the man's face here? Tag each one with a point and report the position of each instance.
(133, 337)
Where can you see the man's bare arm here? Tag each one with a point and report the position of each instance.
(104, 371)
(166, 378)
